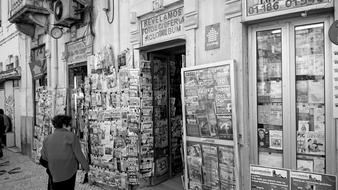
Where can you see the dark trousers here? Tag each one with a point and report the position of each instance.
(69, 184)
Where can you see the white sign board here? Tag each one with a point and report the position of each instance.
(163, 26)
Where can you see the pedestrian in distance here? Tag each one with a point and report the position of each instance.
(2, 131)
(61, 153)
(5, 126)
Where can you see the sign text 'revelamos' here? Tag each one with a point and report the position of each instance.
(162, 26)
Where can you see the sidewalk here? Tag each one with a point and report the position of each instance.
(31, 177)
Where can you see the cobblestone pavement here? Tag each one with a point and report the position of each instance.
(31, 177)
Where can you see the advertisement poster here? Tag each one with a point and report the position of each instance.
(312, 181)
(264, 178)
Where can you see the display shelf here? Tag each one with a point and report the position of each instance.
(209, 113)
(269, 150)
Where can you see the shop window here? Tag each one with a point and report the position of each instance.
(269, 97)
(310, 101)
(290, 109)
(2, 86)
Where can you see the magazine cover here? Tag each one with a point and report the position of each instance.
(302, 65)
(192, 126)
(270, 159)
(301, 142)
(276, 139)
(315, 143)
(316, 91)
(224, 125)
(263, 88)
(276, 114)
(319, 118)
(226, 155)
(303, 126)
(194, 159)
(204, 126)
(302, 90)
(305, 165)
(318, 64)
(222, 75)
(210, 167)
(275, 68)
(263, 114)
(276, 90)
(227, 177)
(263, 138)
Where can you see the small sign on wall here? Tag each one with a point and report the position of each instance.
(335, 79)
(212, 36)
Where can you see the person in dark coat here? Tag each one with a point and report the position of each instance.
(62, 152)
(2, 131)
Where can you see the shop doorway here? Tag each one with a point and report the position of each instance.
(76, 86)
(167, 112)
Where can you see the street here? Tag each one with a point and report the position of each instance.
(26, 174)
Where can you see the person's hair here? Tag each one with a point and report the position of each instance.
(2, 111)
(59, 120)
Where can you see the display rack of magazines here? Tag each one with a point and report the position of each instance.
(210, 129)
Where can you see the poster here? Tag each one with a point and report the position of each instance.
(264, 178)
(312, 181)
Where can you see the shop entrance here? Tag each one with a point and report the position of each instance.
(166, 67)
(76, 85)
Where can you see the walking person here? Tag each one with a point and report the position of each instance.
(2, 131)
(62, 152)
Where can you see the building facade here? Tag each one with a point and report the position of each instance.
(13, 69)
(285, 79)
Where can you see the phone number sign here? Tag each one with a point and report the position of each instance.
(256, 7)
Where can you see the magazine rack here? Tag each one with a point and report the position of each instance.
(209, 126)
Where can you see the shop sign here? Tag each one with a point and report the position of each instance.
(257, 7)
(212, 36)
(162, 26)
(76, 51)
(38, 61)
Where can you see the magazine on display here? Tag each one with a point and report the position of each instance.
(316, 91)
(276, 139)
(315, 143)
(263, 138)
(194, 158)
(210, 167)
(224, 124)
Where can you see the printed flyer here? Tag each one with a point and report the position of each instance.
(264, 178)
(312, 181)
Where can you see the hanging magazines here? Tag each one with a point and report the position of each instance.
(210, 129)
